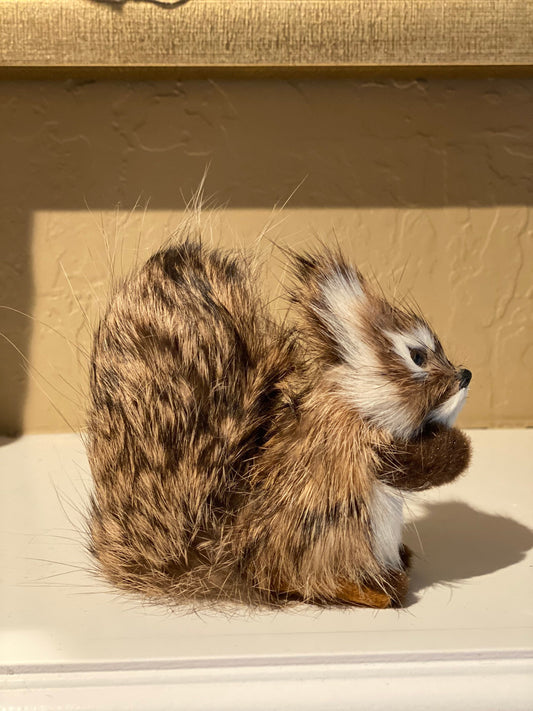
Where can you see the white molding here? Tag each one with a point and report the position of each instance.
(465, 684)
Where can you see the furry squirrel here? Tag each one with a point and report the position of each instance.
(238, 458)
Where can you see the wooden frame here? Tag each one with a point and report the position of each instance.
(265, 33)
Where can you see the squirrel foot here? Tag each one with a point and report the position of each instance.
(396, 586)
(363, 595)
(395, 590)
(391, 593)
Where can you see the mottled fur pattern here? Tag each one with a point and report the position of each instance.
(238, 458)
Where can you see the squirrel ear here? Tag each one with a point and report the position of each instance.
(327, 292)
(321, 274)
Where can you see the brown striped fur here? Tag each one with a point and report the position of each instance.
(229, 456)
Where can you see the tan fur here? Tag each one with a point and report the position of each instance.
(230, 457)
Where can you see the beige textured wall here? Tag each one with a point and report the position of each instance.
(427, 184)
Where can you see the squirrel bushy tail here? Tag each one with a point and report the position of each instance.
(187, 373)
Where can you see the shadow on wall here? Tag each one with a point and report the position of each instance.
(460, 543)
(67, 144)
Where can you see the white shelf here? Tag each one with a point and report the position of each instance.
(467, 632)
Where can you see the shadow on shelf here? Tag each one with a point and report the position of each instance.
(454, 542)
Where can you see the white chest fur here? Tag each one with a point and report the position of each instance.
(386, 515)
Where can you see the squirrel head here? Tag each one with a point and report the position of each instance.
(385, 360)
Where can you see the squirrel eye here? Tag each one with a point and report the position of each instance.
(418, 356)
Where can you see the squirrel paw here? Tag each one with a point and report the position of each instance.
(363, 595)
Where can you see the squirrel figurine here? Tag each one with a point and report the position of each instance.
(235, 457)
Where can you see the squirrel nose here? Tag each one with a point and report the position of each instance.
(465, 376)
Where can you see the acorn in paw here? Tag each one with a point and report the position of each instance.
(238, 458)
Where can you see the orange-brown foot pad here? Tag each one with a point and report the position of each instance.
(362, 595)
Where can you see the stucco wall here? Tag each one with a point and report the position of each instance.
(427, 184)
